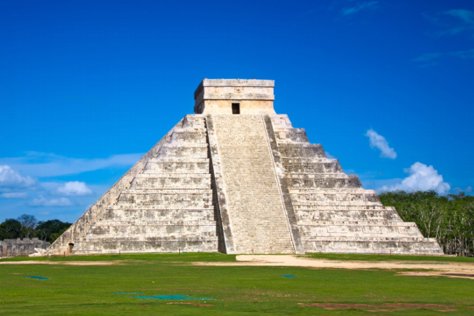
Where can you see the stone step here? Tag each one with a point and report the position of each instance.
(191, 129)
(328, 198)
(314, 206)
(321, 168)
(362, 222)
(157, 208)
(280, 121)
(196, 151)
(325, 181)
(157, 221)
(317, 175)
(154, 174)
(394, 246)
(178, 159)
(297, 135)
(315, 216)
(193, 121)
(154, 214)
(400, 229)
(301, 150)
(195, 238)
(183, 142)
(108, 229)
(379, 238)
(166, 198)
(168, 191)
(171, 181)
(179, 175)
(187, 136)
(175, 166)
(305, 160)
(325, 191)
(347, 207)
(124, 245)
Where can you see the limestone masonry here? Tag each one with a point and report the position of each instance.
(236, 177)
(21, 247)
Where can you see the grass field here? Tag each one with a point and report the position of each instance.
(170, 285)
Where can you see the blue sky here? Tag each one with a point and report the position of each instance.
(86, 87)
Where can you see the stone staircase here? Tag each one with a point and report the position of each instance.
(258, 221)
(333, 213)
(163, 205)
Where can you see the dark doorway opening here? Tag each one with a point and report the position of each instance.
(235, 108)
(71, 245)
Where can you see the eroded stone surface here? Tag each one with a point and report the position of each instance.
(163, 204)
(21, 247)
(240, 179)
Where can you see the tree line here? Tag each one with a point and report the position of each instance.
(27, 226)
(449, 219)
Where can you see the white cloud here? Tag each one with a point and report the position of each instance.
(379, 142)
(432, 59)
(74, 188)
(428, 58)
(455, 22)
(38, 164)
(421, 178)
(465, 15)
(14, 195)
(462, 15)
(463, 54)
(359, 6)
(11, 178)
(42, 201)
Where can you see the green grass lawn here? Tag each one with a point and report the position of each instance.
(167, 257)
(169, 285)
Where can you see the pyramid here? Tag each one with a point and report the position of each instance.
(236, 177)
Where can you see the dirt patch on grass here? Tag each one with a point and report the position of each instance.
(190, 303)
(64, 263)
(387, 307)
(423, 268)
(438, 273)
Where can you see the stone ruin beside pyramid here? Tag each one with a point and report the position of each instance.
(237, 178)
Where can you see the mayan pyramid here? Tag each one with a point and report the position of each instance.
(236, 177)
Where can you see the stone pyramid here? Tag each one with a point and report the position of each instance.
(236, 177)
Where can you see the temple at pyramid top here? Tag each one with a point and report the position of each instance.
(236, 177)
(234, 96)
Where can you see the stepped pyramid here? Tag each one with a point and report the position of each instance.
(236, 177)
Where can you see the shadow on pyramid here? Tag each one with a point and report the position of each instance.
(236, 177)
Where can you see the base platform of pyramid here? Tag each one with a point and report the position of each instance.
(236, 177)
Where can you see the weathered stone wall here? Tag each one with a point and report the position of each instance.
(21, 247)
(333, 212)
(215, 96)
(163, 204)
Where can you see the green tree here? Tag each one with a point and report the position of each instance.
(10, 229)
(51, 229)
(448, 219)
(28, 225)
